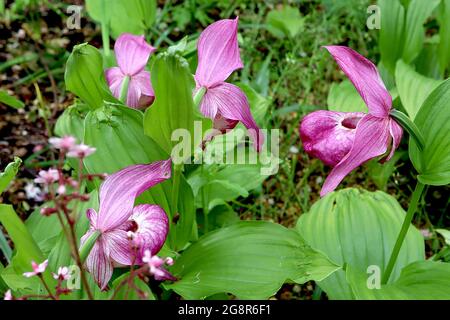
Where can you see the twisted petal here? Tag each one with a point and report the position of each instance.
(228, 101)
(329, 135)
(218, 52)
(119, 247)
(396, 132)
(139, 86)
(366, 79)
(99, 265)
(114, 77)
(132, 53)
(371, 140)
(119, 191)
(152, 228)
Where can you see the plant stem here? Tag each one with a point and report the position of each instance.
(199, 95)
(105, 33)
(403, 231)
(124, 89)
(88, 245)
(46, 287)
(410, 127)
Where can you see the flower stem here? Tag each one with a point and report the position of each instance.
(410, 127)
(88, 245)
(124, 89)
(199, 95)
(105, 32)
(403, 231)
(46, 287)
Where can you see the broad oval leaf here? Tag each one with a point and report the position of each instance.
(250, 259)
(173, 108)
(433, 120)
(84, 76)
(413, 88)
(358, 228)
(343, 97)
(421, 280)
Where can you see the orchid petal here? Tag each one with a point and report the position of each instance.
(152, 228)
(114, 77)
(218, 52)
(231, 103)
(396, 132)
(329, 135)
(132, 53)
(99, 265)
(139, 86)
(119, 247)
(119, 191)
(366, 79)
(371, 140)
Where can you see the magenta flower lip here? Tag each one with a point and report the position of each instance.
(218, 58)
(345, 140)
(118, 216)
(132, 54)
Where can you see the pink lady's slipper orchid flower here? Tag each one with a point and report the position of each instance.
(132, 53)
(345, 140)
(218, 57)
(118, 216)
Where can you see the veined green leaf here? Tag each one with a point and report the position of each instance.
(358, 228)
(391, 32)
(250, 259)
(444, 35)
(139, 15)
(433, 120)
(84, 76)
(173, 108)
(422, 280)
(9, 173)
(413, 87)
(414, 33)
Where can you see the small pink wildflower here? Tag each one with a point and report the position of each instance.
(62, 274)
(47, 177)
(80, 151)
(38, 269)
(8, 295)
(65, 143)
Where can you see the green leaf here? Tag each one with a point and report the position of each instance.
(426, 61)
(413, 88)
(71, 121)
(422, 280)
(11, 101)
(343, 97)
(118, 131)
(9, 173)
(391, 32)
(285, 22)
(358, 228)
(433, 120)
(414, 32)
(123, 291)
(44, 230)
(221, 183)
(444, 35)
(26, 250)
(250, 259)
(140, 15)
(173, 108)
(84, 76)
